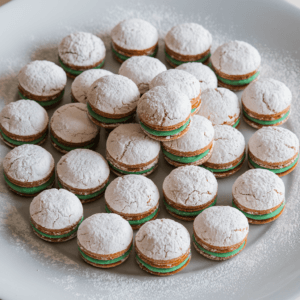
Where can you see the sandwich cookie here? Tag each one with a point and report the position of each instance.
(42, 81)
(28, 170)
(236, 64)
(187, 42)
(275, 149)
(266, 102)
(221, 107)
(182, 81)
(70, 128)
(188, 191)
(112, 100)
(130, 151)
(55, 215)
(194, 148)
(164, 113)
(220, 232)
(83, 172)
(229, 152)
(259, 195)
(81, 51)
(104, 240)
(141, 70)
(23, 122)
(133, 37)
(162, 247)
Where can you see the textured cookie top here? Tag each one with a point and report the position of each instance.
(200, 134)
(105, 234)
(82, 83)
(178, 79)
(129, 145)
(71, 123)
(203, 73)
(56, 209)
(114, 94)
(162, 239)
(24, 118)
(220, 106)
(221, 226)
(229, 144)
(236, 58)
(134, 34)
(267, 96)
(28, 163)
(141, 70)
(164, 106)
(81, 49)
(259, 189)
(273, 144)
(42, 78)
(83, 169)
(188, 39)
(190, 186)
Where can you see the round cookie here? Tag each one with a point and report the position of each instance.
(164, 113)
(81, 51)
(275, 149)
(236, 64)
(23, 122)
(266, 102)
(187, 42)
(220, 232)
(83, 172)
(42, 81)
(28, 170)
(55, 215)
(259, 195)
(194, 148)
(229, 152)
(188, 191)
(162, 247)
(104, 240)
(70, 128)
(133, 37)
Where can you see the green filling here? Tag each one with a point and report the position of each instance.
(67, 148)
(178, 62)
(124, 57)
(236, 123)
(127, 172)
(45, 103)
(18, 143)
(238, 82)
(184, 159)
(224, 170)
(266, 122)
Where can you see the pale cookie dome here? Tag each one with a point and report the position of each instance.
(42, 78)
(188, 39)
(141, 70)
(24, 118)
(259, 189)
(236, 58)
(81, 49)
(162, 239)
(56, 209)
(105, 234)
(221, 226)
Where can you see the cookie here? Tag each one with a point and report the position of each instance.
(28, 170)
(55, 215)
(275, 149)
(229, 152)
(81, 51)
(70, 128)
(23, 122)
(162, 247)
(83, 172)
(259, 195)
(236, 64)
(188, 191)
(220, 232)
(133, 37)
(42, 81)
(266, 102)
(104, 240)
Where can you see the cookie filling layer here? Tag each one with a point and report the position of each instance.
(262, 122)
(184, 159)
(128, 172)
(18, 143)
(237, 82)
(178, 62)
(67, 148)
(224, 170)
(124, 57)
(45, 103)
(236, 123)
